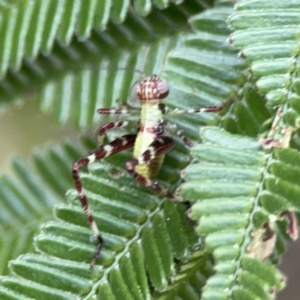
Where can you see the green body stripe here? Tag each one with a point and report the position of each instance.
(151, 117)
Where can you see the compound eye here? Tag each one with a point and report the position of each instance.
(163, 89)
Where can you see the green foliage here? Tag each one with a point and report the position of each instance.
(268, 37)
(236, 191)
(68, 53)
(33, 26)
(27, 201)
(82, 73)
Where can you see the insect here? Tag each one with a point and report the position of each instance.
(150, 143)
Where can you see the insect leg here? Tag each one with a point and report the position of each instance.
(112, 125)
(115, 146)
(197, 110)
(158, 147)
(174, 129)
(202, 109)
(117, 111)
(186, 140)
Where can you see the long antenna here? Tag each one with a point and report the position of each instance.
(124, 69)
(134, 70)
(128, 69)
(131, 69)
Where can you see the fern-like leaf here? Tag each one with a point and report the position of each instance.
(141, 229)
(52, 60)
(151, 250)
(20, 214)
(240, 193)
(267, 36)
(128, 225)
(33, 26)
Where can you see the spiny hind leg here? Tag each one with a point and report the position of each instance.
(118, 145)
(172, 127)
(158, 147)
